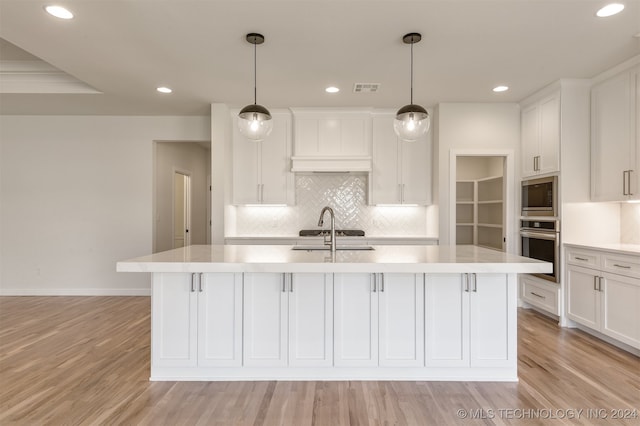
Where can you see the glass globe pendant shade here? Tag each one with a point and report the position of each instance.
(255, 122)
(412, 121)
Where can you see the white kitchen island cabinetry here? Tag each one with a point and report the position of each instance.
(379, 320)
(465, 320)
(351, 315)
(288, 319)
(197, 319)
(401, 171)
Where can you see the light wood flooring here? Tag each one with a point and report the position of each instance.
(85, 360)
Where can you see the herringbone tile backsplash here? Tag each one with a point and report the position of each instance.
(346, 194)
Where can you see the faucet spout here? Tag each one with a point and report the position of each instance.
(331, 241)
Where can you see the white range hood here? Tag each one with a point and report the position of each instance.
(331, 140)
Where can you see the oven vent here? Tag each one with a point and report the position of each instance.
(366, 87)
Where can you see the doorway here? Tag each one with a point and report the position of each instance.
(482, 200)
(181, 194)
(181, 209)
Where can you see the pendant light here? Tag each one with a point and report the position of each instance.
(412, 121)
(255, 121)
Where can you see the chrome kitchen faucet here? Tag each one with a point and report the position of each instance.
(331, 241)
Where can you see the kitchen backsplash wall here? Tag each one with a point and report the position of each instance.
(630, 223)
(346, 194)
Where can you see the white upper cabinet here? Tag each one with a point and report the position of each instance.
(261, 170)
(331, 140)
(401, 171)
(541, 135)
(615, 138)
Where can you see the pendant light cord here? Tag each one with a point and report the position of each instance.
(255, 75)
(412, 42)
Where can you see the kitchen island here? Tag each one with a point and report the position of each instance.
(391, 313)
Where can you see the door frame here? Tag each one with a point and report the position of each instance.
(187, 202)
(510, 196)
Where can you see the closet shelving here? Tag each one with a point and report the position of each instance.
(480, 212)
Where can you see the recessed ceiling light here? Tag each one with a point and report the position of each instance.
(164, 90)
(501, 88)
(59, 12)
(332, 89)
(609, 10)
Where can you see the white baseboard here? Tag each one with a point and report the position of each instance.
(75, 292)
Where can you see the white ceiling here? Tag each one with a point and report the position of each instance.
(121, 50)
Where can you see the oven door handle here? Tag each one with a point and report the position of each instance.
(551, 236)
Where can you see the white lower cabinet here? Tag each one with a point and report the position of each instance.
(288, 320)
(469, 320)
(379, 320)
(196, 320)
(603, 301)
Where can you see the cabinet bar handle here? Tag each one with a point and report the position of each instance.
(600, 283)
(537, 295)
(629, 182)
(200, 282)
(193, 286)
(595, 283)
(284, 289)
(375, 281)
(475, 282)
(291, 283)
(624, 182)
(382, 283)
(581, 258)
(465, 279)
(621, 266)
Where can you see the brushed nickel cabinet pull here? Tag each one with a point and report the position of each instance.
(200, 282)
(600, 283)
(581, 258)
(475, 282)
(193, 285)
(375, 282)
(629, 182)
(595, 282)
(382, 283)
(538, 295)
(622, 266)
(624, 182)
(291, 283)
(284, 284)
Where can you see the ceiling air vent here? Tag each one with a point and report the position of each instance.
(366, 87)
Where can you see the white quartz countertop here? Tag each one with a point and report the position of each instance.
(630, 249)
(384, 258)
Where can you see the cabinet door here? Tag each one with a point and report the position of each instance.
(174, 320)
(491, 328)
(416, 169)
(356, 320)
(311, 320)
(275, 163)
(246, 168)
(620, 298)
(401, 311)
(385, 174)
(549, 147)
(635, 145)
(530, 139)
(220, 320)
(265, 320)
(446, 320)
(583, 298)
(611, 124)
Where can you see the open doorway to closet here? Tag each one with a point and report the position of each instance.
(482, 198)
(182, 194)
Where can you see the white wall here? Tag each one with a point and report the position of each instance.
(77, 197)
(471, 126)
(195, 160)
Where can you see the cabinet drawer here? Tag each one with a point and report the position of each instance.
(584, 258)
(623, 265)
(542, 295)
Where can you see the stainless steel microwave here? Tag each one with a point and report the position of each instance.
(540, 197)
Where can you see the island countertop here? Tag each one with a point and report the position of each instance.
(384, 258)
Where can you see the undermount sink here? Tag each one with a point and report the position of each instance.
(323, 247)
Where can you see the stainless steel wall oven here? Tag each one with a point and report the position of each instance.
(540, 239)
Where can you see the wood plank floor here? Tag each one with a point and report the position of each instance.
(85, 360)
